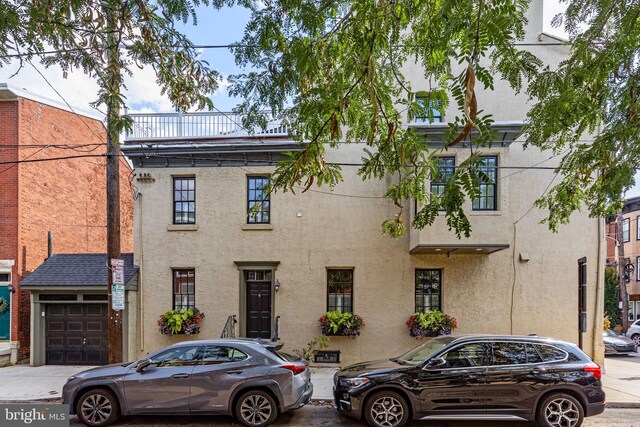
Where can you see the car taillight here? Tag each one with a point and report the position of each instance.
(296, 369)
(594, 369)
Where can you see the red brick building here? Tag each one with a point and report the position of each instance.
(631, 245)
(66, 197)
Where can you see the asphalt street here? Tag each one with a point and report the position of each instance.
(321, 416)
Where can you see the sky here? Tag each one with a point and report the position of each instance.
(143, 94)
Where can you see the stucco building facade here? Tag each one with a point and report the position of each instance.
(65, 197)
(199, 243)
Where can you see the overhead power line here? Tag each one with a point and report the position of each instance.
(212, 46)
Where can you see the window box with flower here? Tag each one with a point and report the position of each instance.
(431, 324)
(181, 321)
(335, 323)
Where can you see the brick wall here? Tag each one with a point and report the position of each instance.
(66, 197)
(8, 194)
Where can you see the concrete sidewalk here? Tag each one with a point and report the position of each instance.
(621, 382)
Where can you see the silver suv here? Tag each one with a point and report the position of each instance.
(634, 332)
(248, 379)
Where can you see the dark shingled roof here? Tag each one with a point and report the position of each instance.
(77, 270)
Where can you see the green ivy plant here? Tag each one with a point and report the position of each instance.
(430, 324)
(337, 323)
(181, 321)
(318, 343)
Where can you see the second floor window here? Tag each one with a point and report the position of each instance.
(487, 201)
(258, 201)
(626, 229)
(184, 288)
(446, 168)
(340, 290)
(184, 200)
(430, 110)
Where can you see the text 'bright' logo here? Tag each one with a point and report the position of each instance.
(28, 416)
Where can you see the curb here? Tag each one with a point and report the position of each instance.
(622, 405)
(314, 402)
(34, 401)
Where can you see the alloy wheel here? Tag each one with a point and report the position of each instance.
(96, 409)
(636, 339)
(255, 409)
(387, 411)
(562, 412)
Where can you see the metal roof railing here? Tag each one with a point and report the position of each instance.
(163, 126)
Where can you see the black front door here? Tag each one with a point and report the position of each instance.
(76, 334)
(258, 306)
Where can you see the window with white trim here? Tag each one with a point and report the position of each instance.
(626, 229)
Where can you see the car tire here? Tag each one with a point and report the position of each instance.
(636, 339)
(256, 408)
(560, 409)
(386, 409)
(98, 407)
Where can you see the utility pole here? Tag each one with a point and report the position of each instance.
(622, 267)
(113, 84)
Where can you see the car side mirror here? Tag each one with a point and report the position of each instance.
(436, 363)
(142, 365)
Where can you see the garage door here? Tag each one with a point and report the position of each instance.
(76, 334)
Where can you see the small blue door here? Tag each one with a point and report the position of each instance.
(5, 315)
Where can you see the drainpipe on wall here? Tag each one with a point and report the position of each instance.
(140, 276)
(49, 244)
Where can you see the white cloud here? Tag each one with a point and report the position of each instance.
(78, 89)
(142, 89)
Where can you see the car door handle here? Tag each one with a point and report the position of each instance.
(234, 372)
(180, 376)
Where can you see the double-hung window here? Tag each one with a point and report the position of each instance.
(340, 290)
(184, 288)
(488, 185)
(446, 168)
(428, 289)
(626, 229)
(184, 200)
(430, 110)
(258, 200)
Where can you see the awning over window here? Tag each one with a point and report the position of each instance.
(460, 249)
(505, 132)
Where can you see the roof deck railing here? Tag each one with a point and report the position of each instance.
(172, 126)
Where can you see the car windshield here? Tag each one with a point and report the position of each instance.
(609, 333)
(424, 351)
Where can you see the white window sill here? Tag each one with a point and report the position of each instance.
(182, 227)
(257, 227)
(485, 213)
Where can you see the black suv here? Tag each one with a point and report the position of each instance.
(475, 377)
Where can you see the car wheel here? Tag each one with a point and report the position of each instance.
(560, 410)
(98, 407)
(387, 409)
(256, 409)
(636, 339)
